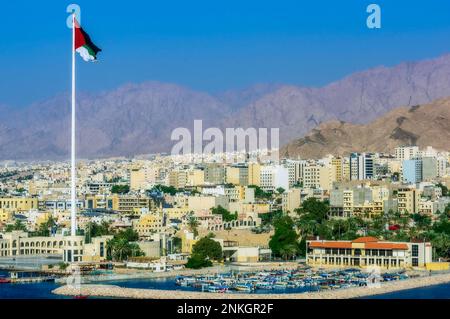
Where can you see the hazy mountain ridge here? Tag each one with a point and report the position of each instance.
(139, 118)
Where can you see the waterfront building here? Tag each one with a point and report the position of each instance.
(368, 252)
(18, 243)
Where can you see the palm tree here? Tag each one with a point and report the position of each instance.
(193, 224)
(306, 227)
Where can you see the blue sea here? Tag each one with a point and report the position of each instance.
(44, 290)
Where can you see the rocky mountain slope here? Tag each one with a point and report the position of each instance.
(422, 125)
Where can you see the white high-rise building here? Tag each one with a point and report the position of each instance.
(273, 177)
(295, 171)
(406, 152)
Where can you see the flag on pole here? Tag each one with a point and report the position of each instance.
(83, 44)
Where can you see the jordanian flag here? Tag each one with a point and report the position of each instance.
(84, 45)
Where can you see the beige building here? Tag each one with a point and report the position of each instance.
(18, 203)
(178, 178)
(254, 172)
(195, 177)
(149, 224)
(125, 204)
(237, 175)
(291, 200)
(137, 178)
(317, 176)
(408, 200)
(5, 215)
(197, 203)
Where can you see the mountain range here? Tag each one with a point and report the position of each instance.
(139, 118)
(421, 125)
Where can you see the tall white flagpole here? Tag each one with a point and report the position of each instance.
(73, 208)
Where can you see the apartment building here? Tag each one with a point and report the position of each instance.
(125, 204)
(291, 200)
(19, 204)
(317, 176)
(149, 224)
(408, 200)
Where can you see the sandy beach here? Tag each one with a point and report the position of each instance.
(355, 292)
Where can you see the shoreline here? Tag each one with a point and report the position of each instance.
(347, 293)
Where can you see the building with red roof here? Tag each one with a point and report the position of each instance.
(368, 252)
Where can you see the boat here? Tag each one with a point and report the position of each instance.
(80, 297)
(264, 285)
(280, 285)
(218, 289)
(5, 280)
(243, 287)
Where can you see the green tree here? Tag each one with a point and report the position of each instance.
(226, 215)
(165, 189)
(193, 225)
(314, 209)
(176, 244)
(444, 189)
(204, 252)
(260, 193)
(18, 225)
(122, 245)
(120, 189)
(441, 245)
(45, 228)
(284, 241)
(96, 230)
(268, 218)
(197, 262)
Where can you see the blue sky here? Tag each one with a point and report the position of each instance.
(211, 45)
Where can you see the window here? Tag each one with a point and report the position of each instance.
(415, 250)
(415, 262)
